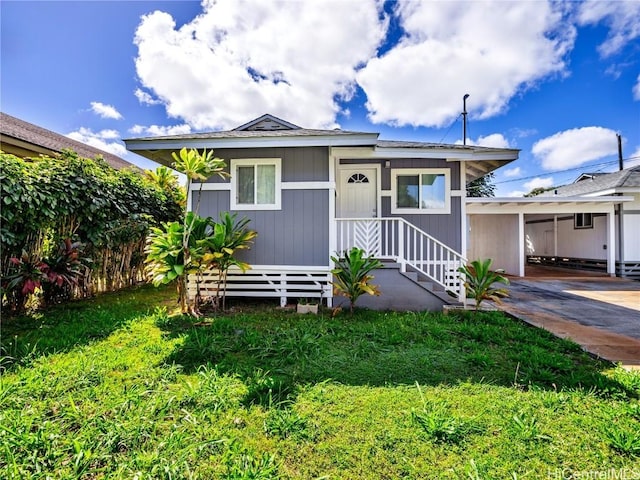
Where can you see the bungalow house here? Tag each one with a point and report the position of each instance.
(311, 193)
(25, 140)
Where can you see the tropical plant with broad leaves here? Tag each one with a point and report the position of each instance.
(168, 260)
(64, 271)
(352, 275)
(167, 181)
(479, 282)
(175, 250)
(26, 276)
(229, 235)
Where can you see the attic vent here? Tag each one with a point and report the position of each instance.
(358, 178)
(268, 125)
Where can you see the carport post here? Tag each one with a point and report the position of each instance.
(611, 242)
(521, 257)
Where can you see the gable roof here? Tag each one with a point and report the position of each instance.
(270, 131)
(626, 179)
(268, 122)
(25, 139)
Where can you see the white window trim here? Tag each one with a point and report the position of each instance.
(420, 171)
(243, 162)
(584, 216)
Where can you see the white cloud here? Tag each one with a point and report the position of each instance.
(492, 50)
(105, 111)
(512, 172)
(633, 159)
(636, 89)
(146, 98)
(575, 147)
(517, 193)
(100, 140)
(622, 18)
(494, 140)
(538, 182)
(109, 134)
(240, 59)
(159, 130)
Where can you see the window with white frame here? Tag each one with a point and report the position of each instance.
(421, 191)
(256, 184)
(582, 220)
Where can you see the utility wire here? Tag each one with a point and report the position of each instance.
(450, 127)
(562, 171)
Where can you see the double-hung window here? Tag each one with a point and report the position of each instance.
(421, 191)
(256, 184)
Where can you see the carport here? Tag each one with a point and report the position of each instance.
(497, 228)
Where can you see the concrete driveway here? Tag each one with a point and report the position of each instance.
(602, 314)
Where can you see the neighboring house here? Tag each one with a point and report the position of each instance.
(312, 193)
(580, 238)
(23, 139)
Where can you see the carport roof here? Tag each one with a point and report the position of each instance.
(539, 204)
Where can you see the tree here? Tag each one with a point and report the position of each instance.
(537, 191)
(172, 251)
(167, 181)
(482, 187)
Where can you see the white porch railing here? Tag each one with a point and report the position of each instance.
(398, 240)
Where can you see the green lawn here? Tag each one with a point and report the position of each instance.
(115, 387)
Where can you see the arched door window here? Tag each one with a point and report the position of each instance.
(358, 178)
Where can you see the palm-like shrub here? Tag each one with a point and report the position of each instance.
(229, 235)
(26, 276)
(479, 281)
(353, 275)
(65, 270)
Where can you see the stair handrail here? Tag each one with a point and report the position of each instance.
(403, 258)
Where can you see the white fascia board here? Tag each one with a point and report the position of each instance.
(545, 200)
(450, 155)
(548, 205)
(506, 155)
(254, 142)
(613, 191)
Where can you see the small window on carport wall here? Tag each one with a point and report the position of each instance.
(582, 220)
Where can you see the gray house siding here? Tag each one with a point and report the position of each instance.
(445, 228)
(298, 233)
(299, 164)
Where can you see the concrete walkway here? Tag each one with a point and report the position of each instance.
(601, 314)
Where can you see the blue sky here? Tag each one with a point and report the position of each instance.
(556, 80)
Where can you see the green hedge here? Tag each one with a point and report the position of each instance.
(48, 199)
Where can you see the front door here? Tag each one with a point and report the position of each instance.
(358, 199)
(357, 196)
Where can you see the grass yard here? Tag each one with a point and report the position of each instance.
(115, 387)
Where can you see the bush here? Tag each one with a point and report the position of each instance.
(47, 200)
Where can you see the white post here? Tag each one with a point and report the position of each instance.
(401, 258)
(521, 249)
(555, 235)
(463, 210)
(611, 242)
(333, 224)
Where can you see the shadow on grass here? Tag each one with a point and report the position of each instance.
(63, 327)
(274, 350)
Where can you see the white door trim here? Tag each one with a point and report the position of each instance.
(363, 166)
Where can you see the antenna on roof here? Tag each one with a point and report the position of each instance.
(464, 118)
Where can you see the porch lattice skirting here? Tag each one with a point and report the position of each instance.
(267, 282)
